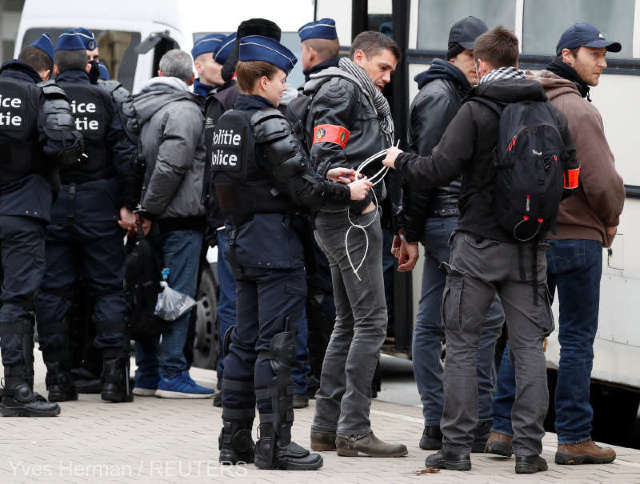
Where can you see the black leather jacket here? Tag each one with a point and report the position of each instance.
(442, 89)
(340, 102)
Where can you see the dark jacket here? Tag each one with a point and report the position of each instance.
(442, 90)
(29, 167)
(340, 102)
(113, 156)
(172, 140)
(331, 62)
(467, 149)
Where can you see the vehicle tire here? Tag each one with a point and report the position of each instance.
(206, 344)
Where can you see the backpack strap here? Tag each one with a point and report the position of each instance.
(494, 106)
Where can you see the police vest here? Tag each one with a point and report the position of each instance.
(92, 111)
(242, 187)
(20, 150)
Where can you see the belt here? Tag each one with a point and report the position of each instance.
(445, 212)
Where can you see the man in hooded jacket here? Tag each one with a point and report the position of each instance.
(430, 216)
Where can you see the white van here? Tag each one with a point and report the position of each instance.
(133, 35)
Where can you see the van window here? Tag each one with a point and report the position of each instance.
(116, 50)
(435, 18)
(291, 41)
(541, 31)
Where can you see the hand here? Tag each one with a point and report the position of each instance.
(408, 256)
(145, 223)
(390, 159)
(395, 246)
(127, 220)
(344, 175)
(360, 188)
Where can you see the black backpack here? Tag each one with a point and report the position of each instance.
(142, 286)
(531, 165)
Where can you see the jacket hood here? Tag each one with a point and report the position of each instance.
(20, 70)
(511, 90)
(158, 92)
(441, 69)
(553, 84)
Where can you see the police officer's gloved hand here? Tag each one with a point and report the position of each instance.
(94, 73)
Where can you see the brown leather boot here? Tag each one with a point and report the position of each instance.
(499, 444)
(584, 453)
(322, 441)
(368, 445)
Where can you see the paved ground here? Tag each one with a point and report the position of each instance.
(155, 440)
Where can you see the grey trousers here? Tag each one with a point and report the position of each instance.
(344, 398)
(480, 268)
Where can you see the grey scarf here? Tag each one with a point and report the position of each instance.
(376, 98)
(503, 73)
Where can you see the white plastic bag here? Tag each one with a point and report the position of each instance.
(172, 304)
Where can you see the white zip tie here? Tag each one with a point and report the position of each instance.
(375, 179)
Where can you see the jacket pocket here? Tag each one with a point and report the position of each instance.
(450, 309)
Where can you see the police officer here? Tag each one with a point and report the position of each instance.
(260, 180)
(84, 237)
(320, 46)
(36, 135)
(209, 71)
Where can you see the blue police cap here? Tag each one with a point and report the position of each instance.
(259, 48)
(208, 43)
(71, 40)
(585, 35)
(44, 44)
(87, 37)
(325, 28)
(225, 49)
(104, 72)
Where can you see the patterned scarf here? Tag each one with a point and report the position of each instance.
(502, 74)
(378, 101)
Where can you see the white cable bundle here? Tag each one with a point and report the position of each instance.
(375, 179)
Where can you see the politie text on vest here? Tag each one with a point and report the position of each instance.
(84, 123)
(9, 118)
(228, 137)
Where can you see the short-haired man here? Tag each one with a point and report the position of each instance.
(36, 134)
(171, 136)
(84, 238)
(209, 71)
(351, 120)
(486, 260)
(430, 216)
(586, 223)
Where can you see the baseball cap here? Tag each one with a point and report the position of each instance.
(464, 32)
(585, 35)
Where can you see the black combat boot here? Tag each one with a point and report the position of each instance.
(431, 438)
(60, 383)
(235, 442)
(18, 398)
(275, 451)
(116, 385)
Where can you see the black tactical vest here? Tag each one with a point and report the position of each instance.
(242, 187)
(92, 111)
(20, 150)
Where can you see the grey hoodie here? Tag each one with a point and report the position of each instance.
(172, 143)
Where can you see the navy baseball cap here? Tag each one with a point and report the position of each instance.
(259, 48)
(585, 35)
(465, 32)
(320, 29)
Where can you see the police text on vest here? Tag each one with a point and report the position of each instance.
(220, 157)
(8, 118)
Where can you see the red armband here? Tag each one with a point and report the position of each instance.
(330, 133)
(571, 178)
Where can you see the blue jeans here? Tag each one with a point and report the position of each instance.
(428, 331)
(227, 318)
(575, 269)
(179, 250)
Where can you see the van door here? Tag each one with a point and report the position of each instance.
(161, 43)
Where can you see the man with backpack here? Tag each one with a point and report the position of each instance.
(513, 150)
(586, 223)
(430, 215)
